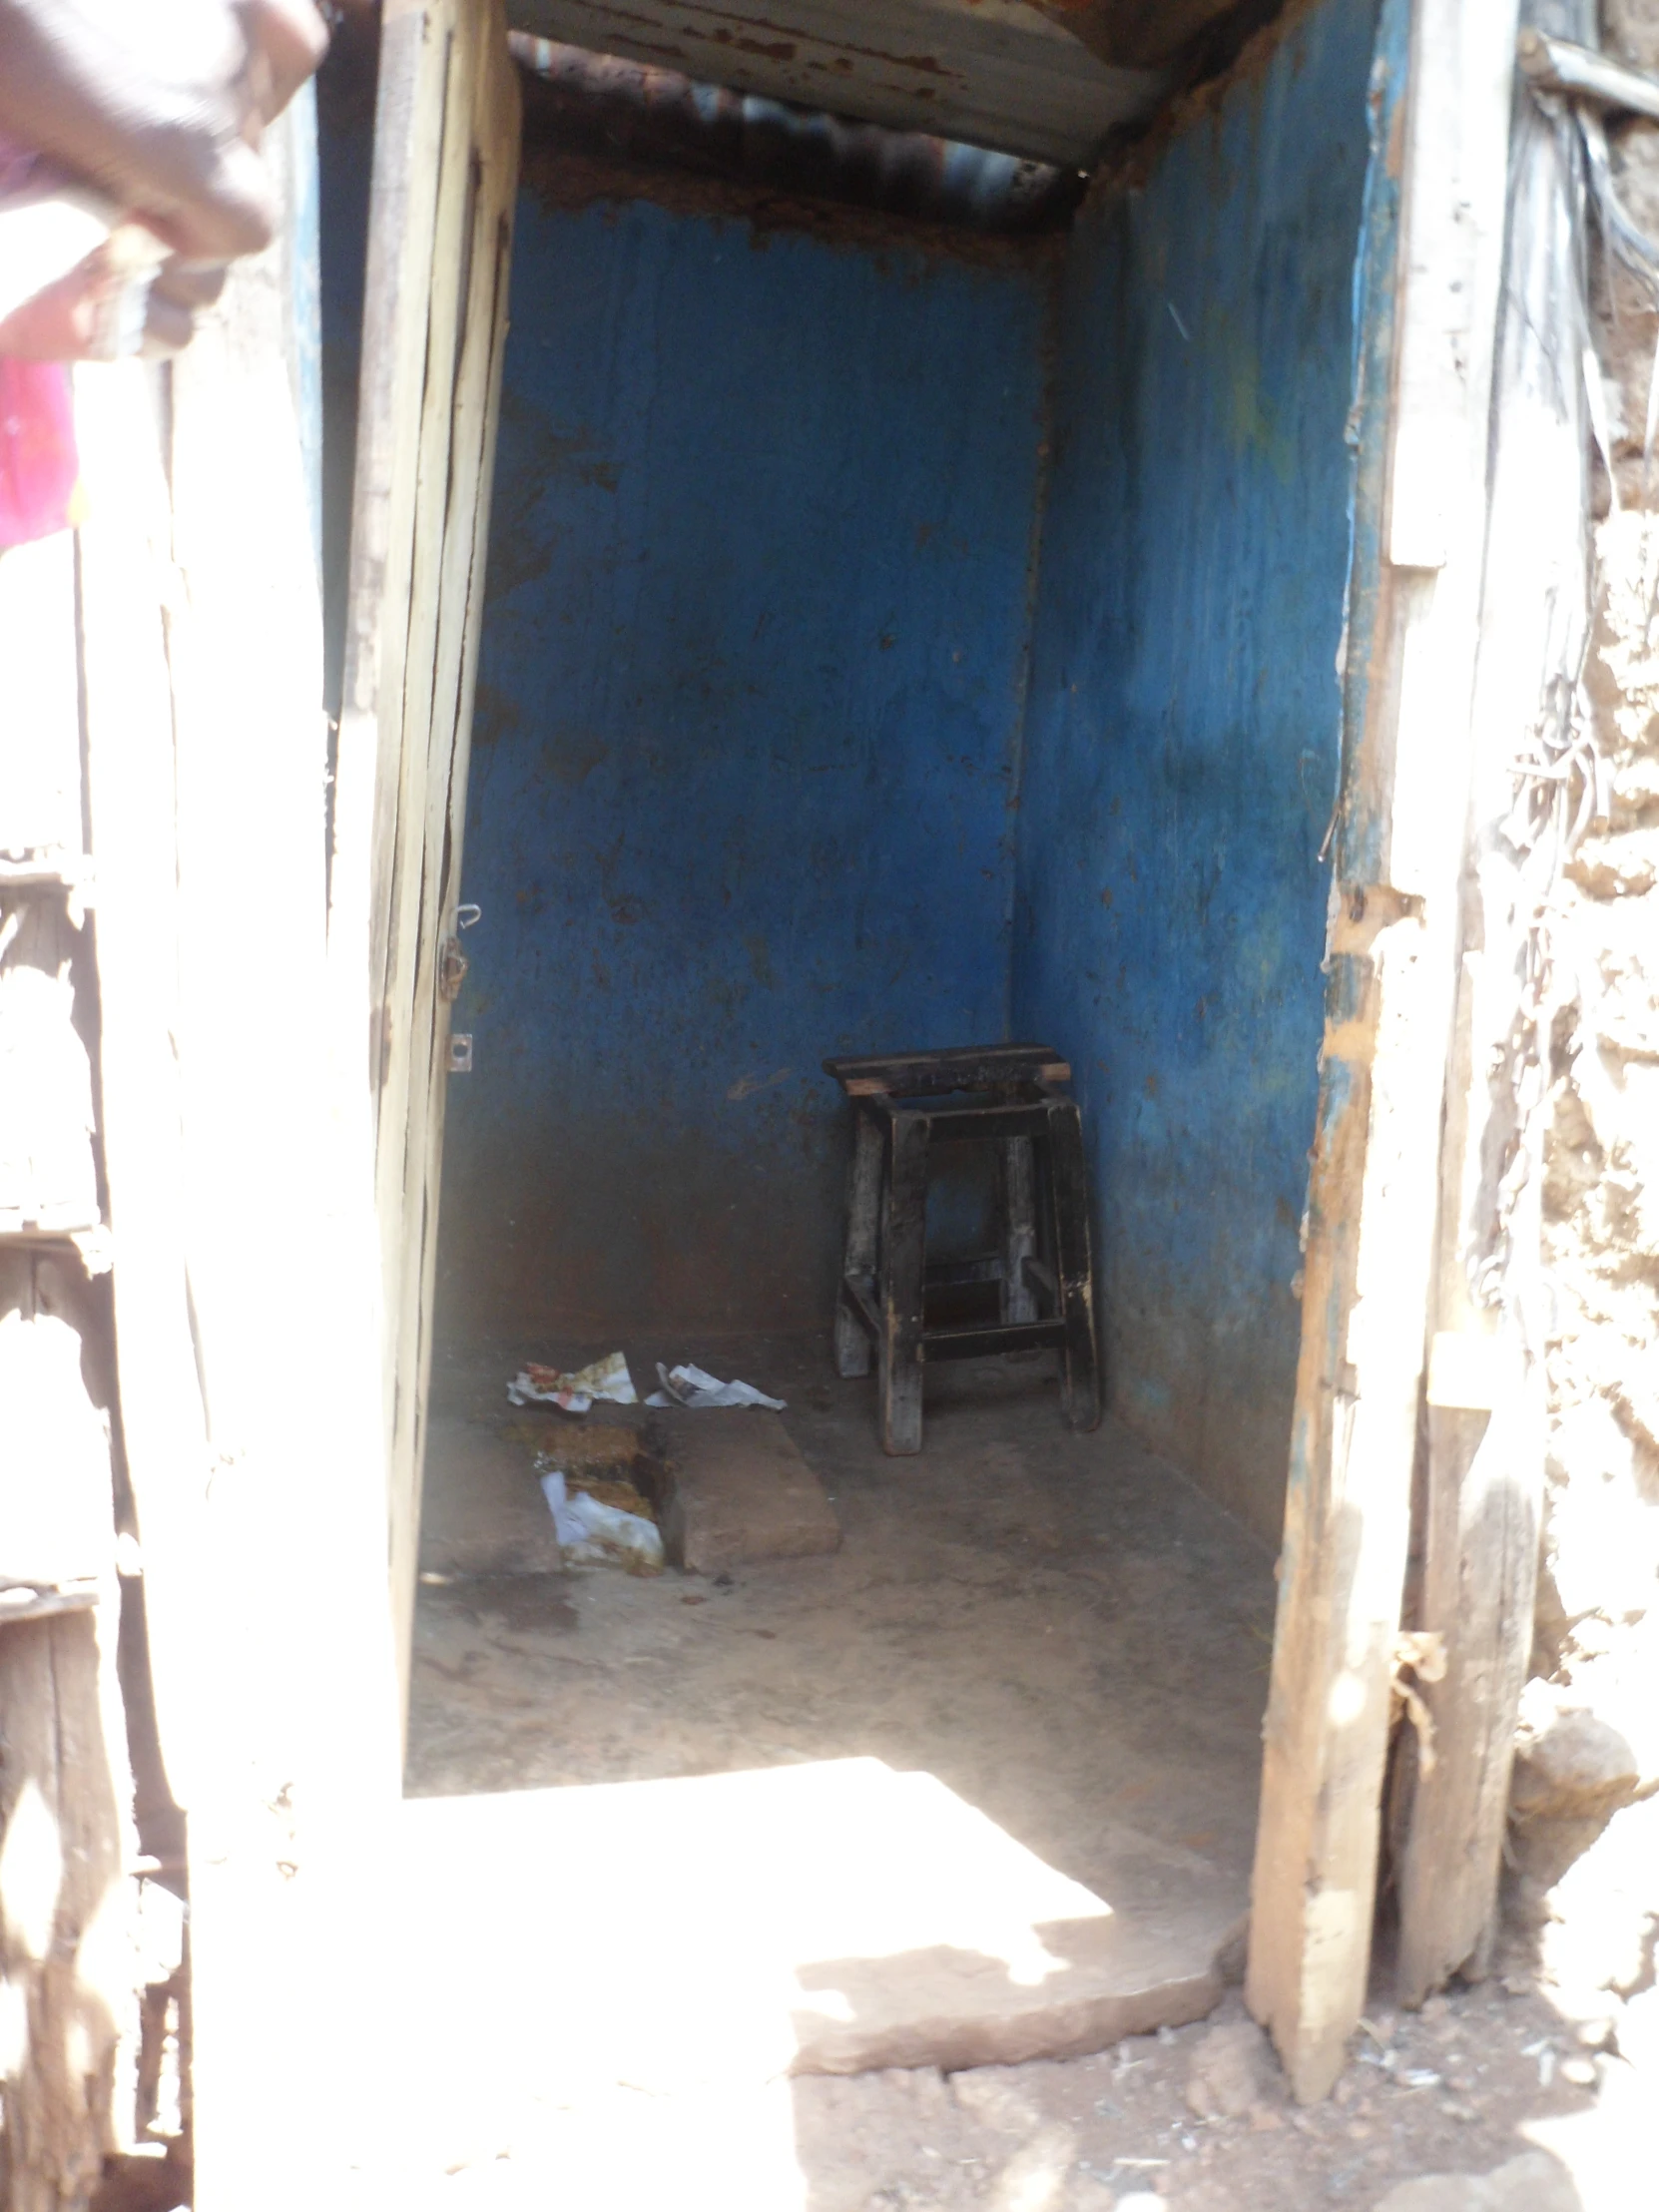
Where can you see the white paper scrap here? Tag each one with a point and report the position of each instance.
(607, 1378)
(601, 1535)
(691, 1386)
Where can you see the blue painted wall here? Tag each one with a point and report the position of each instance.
(750, 700)
(1182, 739)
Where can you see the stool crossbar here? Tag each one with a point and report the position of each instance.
(904, 1105)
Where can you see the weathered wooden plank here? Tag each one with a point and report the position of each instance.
(401, 1109)
(433, 327)
(1486, 1421)
(1392, 970)
(904, 1248)
(67, 1955)
(238, 1151)
(404, 1163)
(408, 135)
(65, 1940)
(863, 1215)
(488, 181)
(126, 575)
(289, 1597)
(972, 1068)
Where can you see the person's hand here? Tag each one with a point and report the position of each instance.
(159, 104)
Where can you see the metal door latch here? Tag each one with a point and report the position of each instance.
(452, 966)
(460, 1053)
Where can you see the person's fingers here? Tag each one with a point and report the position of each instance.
(169, 327)
(191, 285)
(286, 40)
(210, 202)
(68, 319)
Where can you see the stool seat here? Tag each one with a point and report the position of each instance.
(903, 1104)
(974, 1068)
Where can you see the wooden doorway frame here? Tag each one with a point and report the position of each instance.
(446, 178)
(1432, 272)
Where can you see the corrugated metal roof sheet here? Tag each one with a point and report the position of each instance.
(992, 73)
(637, 113)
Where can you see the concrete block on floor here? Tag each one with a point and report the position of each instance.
(482, 1511)
(742, 1491)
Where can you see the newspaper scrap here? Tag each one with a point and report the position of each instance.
(607, 1378)
(691, 1386)
(595, 1534)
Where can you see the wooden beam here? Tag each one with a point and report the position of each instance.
(1485, 1412)
(1391, 964)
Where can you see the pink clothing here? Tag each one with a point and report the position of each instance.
(39, 466)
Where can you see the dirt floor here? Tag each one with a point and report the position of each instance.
(1062, 1628)
(1451, 2091)
(1071, 1637)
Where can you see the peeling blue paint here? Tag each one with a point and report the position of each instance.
(1182, 739)
(1359, 826)
(764, 661)
(752, 675)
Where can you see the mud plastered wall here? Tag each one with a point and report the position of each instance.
(1585, 1837)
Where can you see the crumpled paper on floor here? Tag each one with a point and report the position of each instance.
(691, 1386)
(607, 1378)
(594, 1534)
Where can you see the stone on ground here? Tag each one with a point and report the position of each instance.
(1229, 2071)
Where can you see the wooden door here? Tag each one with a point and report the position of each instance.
(434, 322)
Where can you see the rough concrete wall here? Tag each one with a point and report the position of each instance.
(1182, 738)
(1586, 1823)
(750, 694)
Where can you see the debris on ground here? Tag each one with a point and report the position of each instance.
(692, 1387)
(1532, 2183)
(1229, 2071)
(574, 1394)
(593, 1532)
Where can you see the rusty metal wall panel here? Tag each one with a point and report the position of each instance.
(1181, 746)
(742, 776)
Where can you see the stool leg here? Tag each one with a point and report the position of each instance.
(1080, 1356)
(1020, 1229)
(903, 1259)
(863, 1211)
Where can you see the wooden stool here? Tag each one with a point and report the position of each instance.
(904, 1105)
